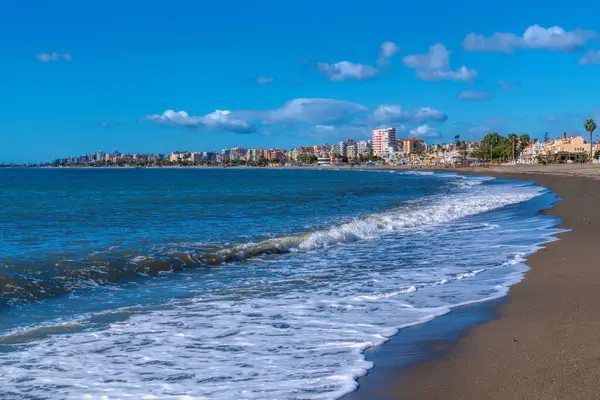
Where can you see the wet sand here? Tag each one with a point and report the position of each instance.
(545, 343)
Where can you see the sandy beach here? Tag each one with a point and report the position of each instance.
(545, 343)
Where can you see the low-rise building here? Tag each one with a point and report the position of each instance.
(568, 144)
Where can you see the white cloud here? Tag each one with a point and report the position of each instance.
(328, 118)
(48, 57)
(498, 42)
(505, 85)
(435, 66)
(220, 120)
(553, 38)
(394, 114)
(474, 96)
(591, 57)
(261, 80)
(344, 70)
(325, 127)
(387, 50)
(556, 38)
(424, 131)
(313, 111)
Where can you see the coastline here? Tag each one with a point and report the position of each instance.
(545, 340)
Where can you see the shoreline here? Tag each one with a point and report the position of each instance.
(543, 342)
(544, 339)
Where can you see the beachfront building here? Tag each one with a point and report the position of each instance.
(443, 154)
(256, 154)
(363, 147)
(348, 143)
(352, 151)
(531, 152)
(176, 156)
(238, 153)
(305, 151)
(322, 150)
(276, 155)
(225, 154)
(413, 146)
(301, 153)
(571, 144)
(324, 161)
(564, 149)
(383, 141)
(400, 146)
(395, 158)
(195, 157)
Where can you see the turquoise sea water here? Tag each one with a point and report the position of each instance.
(239, 284)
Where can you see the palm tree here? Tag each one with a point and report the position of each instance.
(513, 139)
(590, 126)
(457, 144)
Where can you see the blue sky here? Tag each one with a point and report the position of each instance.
(78, 77)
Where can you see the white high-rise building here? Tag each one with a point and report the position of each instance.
(383, 141)
(363, 147)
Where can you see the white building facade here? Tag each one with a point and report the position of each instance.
(383, 141)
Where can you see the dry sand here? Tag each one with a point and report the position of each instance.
(545, 344)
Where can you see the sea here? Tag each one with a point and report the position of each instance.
(241, 283)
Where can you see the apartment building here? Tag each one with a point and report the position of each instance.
(383, 141)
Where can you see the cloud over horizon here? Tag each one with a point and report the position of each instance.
(312, 111)
(262, 80)
(219, 120)
(474, 96)
(387, 51)
(591, 57)
(294, 112)
(329, 117)
(345, 70)
(424, 131)
(553, 38)
(54, 56)
(435, 66)
(395, 114)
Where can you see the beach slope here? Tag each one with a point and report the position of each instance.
(545, 344)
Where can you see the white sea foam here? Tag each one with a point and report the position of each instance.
(292, 327)
(416, 173)
(421, 213)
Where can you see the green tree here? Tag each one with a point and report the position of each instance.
(546, 137)
(525, 139)
(590, 126)
(493, 146)
(370, 155)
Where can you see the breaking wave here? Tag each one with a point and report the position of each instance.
(286, 317)
(63, 276)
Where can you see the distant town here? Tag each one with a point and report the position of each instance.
(384, 148)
